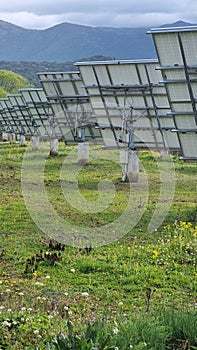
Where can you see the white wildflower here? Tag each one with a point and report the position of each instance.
(72, 270)
(115, 330)
(66, 308)
(6, 324)
(85, 294)
(39, 284)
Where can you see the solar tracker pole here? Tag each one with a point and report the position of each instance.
(83, 134)
(12, 137)
(131, 139)
(133, 159)
(53, 141)
(130, 161)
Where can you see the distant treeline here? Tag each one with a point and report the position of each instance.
(29, 70)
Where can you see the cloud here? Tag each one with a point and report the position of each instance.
(114, 13)
(30, 20)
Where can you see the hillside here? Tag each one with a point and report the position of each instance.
(70, 42)
(28, 52)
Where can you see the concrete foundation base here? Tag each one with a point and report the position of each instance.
(130, 165)
(4, 136)
(35, 143)
(53, 147)
(83, 154)
(22, 141)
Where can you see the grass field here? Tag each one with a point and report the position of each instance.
(139, 291)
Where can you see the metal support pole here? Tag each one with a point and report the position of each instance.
(12, 137)
(131, 139)
(83, 134)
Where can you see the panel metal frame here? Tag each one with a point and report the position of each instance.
(70, 104)
(23, 114)
(145, 86)
(8, 118)
(39, 110)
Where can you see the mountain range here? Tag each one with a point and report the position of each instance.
(71, 42)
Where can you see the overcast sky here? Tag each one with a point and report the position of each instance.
(40, 14)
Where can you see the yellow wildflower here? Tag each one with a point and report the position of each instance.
(155, 253)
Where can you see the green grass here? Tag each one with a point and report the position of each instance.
(111, 281)
(166, 331)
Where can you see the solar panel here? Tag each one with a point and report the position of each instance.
(126, 95)
(23, 115)
(39, 110)
(8, 118)
(3, 120)
(177, 51)
(70, 104)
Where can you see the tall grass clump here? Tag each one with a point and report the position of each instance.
(169, 330)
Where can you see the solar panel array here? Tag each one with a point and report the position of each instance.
(177, 53)
(25, 113)
(126, 98)
(8, 119)
(23, 116)
(39, 110)
(136, 104)
(70, 104)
